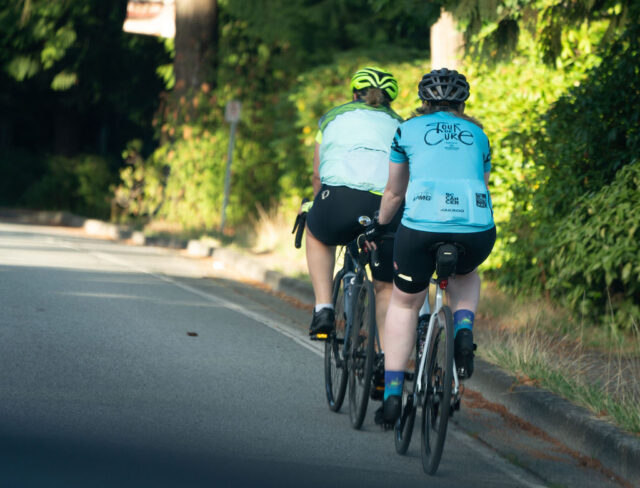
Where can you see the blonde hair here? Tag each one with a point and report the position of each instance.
(428, 108)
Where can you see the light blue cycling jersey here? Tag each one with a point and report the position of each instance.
(447, 157)
(355, 140)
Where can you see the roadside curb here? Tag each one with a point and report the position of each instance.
(22, 216)
(572, 425)
(252, 269)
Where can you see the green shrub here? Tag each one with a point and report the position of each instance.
(593, 255)
(576, 149)
(80, 184)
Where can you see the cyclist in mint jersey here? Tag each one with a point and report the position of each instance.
(440, 164)
(350, 171)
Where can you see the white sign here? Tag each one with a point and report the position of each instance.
(232, 111)
(151, 17)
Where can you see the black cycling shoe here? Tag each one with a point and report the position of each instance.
(377, 379)
(463, 348)
(323, 323)
(389, 412)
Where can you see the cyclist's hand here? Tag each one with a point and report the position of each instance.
(372, 232)
(306, 206)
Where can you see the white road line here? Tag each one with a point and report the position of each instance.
(293, 334)
(495, 459)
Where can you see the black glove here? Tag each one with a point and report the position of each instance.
(374, 230)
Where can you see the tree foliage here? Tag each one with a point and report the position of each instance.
(492, 27)
(575, 206)
(71, 82)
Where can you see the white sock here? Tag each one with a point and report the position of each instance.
(320, 306)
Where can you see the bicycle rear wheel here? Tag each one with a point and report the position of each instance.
(436, 404)
(335, 368)
(363, 338)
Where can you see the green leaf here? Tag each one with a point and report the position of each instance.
(63, 81)
(23, 67)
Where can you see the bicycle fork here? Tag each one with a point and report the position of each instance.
(423, 354)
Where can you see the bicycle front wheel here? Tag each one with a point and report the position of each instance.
(363, 338)
(404, 427)
(436, 404)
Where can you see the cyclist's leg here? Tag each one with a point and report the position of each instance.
(411, 270)
(383, 295)
(400, 331)
(464, 291)
(383, 275)
(464, 294)
(412, 267)
(320, 261)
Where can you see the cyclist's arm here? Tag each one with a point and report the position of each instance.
(394, 191)
(315, 181)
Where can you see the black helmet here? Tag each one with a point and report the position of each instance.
(443, 85)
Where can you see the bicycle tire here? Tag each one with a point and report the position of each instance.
(403, 429)
(335, 368)
(361, 360)
(436, 401)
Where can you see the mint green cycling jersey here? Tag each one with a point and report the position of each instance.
(448, 157)
(355, 141)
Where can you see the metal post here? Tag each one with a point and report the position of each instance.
(231, 115)
(227, 178)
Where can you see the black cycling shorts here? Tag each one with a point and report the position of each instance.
(333, 220)
(414, 255)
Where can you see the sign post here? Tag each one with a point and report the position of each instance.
(231, 115)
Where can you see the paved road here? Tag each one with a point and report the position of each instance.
(133, 366)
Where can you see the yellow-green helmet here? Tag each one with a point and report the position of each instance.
(375, 77)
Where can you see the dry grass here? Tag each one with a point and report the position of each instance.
(598, 369)
(268, 237)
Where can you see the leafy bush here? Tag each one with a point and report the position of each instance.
(80, 184)
(577, 148)
(593, 255)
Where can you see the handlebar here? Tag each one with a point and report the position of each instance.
(300, 223)
(373, 252)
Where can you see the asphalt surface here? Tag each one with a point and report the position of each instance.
(138, 366)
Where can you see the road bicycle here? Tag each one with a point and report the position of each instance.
(353, 350)
(434, 383)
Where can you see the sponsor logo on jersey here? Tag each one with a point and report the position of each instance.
(481, 200)
(449, 133)
(426, 197)
(451, 199)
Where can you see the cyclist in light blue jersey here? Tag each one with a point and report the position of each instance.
(440, 164)
(350, 171)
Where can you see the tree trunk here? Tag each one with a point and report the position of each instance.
(195, 42)
(447, 43)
